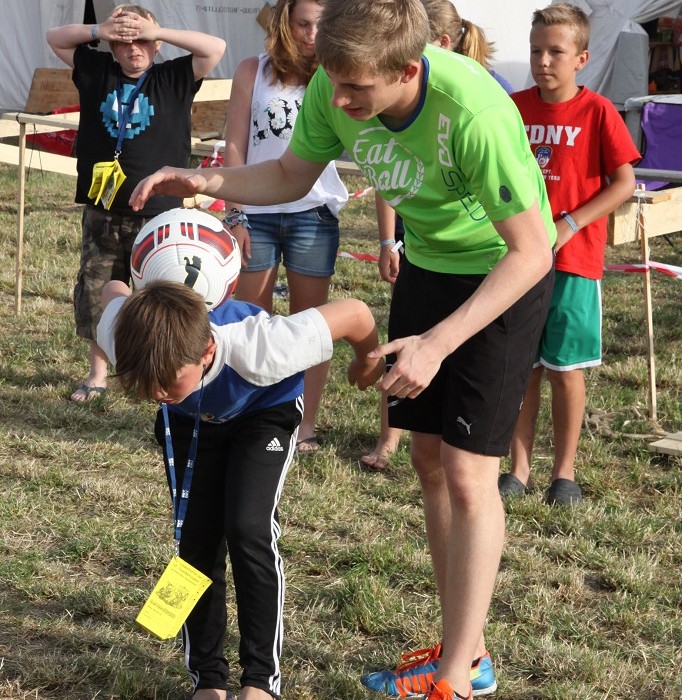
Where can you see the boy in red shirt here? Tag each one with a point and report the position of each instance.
(586, 154)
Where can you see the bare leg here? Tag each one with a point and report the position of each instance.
(97, 376)
(438, 515)
(257, 287)
(387, 444)
(568, 410)
(305, 292)
(472, 549)
(250, 693)
(524, 434)
(210, 694)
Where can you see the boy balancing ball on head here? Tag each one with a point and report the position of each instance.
(231, 383)
(445, 146)
(585, 152)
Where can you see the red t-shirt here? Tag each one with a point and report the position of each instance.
(577, 144)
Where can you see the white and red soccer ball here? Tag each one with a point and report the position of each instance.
(191, 247)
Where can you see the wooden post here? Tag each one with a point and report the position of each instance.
(651, 366)
(20, 218)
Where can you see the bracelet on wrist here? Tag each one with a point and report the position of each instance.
(386, 242)
(94, 31)
(236, 217)
(570, 221)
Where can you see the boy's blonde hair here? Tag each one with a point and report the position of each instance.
(138, 10)
(379, 37)
(159, 330)
(569, 15)
(285, 59)
(468, 38)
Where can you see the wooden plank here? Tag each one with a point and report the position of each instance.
(202, 149)
(214, 89)
(652, 197)
(662, 215)
(209, 107)
(39, 160)
(68, 120)
(669, 445)
(208, 119)
(51, 88)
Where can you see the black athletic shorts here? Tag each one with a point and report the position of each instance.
(473, 402)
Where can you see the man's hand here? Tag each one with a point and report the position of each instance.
(417, 362)
(174, 182)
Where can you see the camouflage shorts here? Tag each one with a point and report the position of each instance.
(105, 255)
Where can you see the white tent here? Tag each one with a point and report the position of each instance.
(236, 21)
(24, 23)
(619, 48)
(618, 67)
(23, 47)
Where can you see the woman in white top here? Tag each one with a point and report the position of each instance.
(267, 91)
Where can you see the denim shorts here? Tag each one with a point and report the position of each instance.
(306, 242)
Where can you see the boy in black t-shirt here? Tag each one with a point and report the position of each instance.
(137, 114)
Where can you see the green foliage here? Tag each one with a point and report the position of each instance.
(587, 603)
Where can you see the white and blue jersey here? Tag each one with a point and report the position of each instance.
(259, 359)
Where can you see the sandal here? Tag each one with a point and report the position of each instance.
(85, 393)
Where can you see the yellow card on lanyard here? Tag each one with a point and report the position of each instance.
(176, 593)
(112, 184)
(107, 178)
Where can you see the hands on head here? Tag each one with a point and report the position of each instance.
(127, 27)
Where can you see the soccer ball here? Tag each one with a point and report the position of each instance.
(189, 246)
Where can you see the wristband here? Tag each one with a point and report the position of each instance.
(93, 31)
(387, 241)
(236, 217)
(570, 221)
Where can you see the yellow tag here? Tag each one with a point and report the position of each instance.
(107, 178)
(172, 600)
(97, 175)
(112, 185)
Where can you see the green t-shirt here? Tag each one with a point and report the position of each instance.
(461, 162)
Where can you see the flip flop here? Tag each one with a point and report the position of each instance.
(88, 393)
(311, 444)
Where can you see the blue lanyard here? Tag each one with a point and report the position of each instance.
(125, 109)
(180, 500)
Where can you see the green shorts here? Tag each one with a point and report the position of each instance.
(571, 338)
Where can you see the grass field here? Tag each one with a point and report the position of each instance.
(588, 602)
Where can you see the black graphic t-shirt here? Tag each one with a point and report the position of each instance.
(158, 129)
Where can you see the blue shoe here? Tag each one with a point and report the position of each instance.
(483, 676)
(413, 676)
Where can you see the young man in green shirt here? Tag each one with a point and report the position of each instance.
(443, 144)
